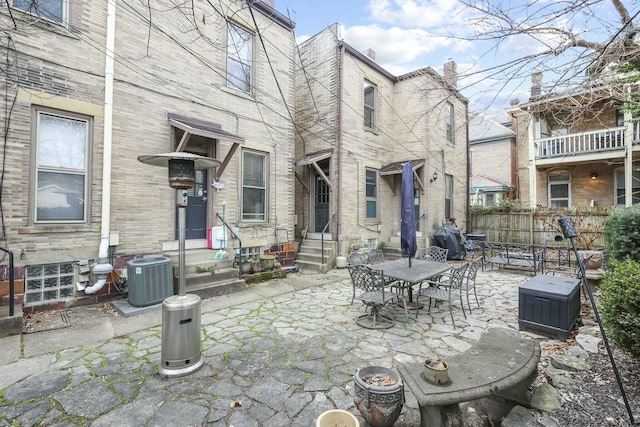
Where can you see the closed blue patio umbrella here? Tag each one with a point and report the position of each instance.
(408, 244)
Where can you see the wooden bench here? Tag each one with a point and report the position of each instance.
(501, 363)
(513, 255)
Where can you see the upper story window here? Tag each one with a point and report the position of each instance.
(369, 105)
(371, 193)
(239, 58)
(619, 117)
(61, 168)
(254, 186)
(53, 10)
(449, 123)
(560, 191)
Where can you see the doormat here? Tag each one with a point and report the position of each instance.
(46, 321)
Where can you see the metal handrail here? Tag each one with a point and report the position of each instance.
(322, 237)
(420, 218)
(235, 236)
(11, 284)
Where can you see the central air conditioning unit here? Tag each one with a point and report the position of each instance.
(150, 280)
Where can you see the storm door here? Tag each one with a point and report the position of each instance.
(321, 204)
(196, 211)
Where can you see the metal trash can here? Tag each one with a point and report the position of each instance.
(181, 335)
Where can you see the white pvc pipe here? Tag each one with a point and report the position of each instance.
(103, 267)
(89, 290)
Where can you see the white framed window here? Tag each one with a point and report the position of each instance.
(620, 187)
(254, 186)
(448, 196)
(61, 167)
(449, 123)
(619, 117)
(371, 194)
(239, 58)
(52, 10)
(560, 190)
(369, 96)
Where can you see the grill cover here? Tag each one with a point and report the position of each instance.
(449, 238)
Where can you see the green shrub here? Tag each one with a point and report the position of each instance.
(622, 233)
(620, 302)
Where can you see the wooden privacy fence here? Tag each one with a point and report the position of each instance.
(538, 227)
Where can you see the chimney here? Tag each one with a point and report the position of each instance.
(536, 83)
(370, 53)
(271, 3)
(451, 72)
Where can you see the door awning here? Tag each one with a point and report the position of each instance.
(396, 167)
(191, 126)
(312, 159)
(315, 157)
(392, 169)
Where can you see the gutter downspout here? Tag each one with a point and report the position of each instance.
(339, 195)
(469, 171)
(103, 268)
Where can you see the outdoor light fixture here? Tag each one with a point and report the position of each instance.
(181, 313)
(434, 177)
(594, 175)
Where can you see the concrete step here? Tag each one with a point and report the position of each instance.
(11, 325)
(204, 275)
(315, 266)
(315, 256)
(217, 288)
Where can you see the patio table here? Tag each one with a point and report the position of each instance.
(419, 271)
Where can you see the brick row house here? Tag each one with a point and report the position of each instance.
(577, 148)
(91, 86)
(356, 124)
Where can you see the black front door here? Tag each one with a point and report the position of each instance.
(196, 210)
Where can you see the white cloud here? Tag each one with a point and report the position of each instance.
(413, 13)
(397, 47)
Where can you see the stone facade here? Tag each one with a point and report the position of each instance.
(409, 124)
(167, 61)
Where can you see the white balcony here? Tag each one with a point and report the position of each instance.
(596, 141)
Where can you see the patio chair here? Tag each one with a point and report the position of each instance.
(376, 256)
(374, 293)
(469, 282)
(447, 289)
(433, 253)
(356, 258)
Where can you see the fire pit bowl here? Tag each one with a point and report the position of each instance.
(379, 395)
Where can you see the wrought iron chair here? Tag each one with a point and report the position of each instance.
(376, 256)
(375, 294)
(469, 282)
(433, 253)
(447, 289)
(356, 258)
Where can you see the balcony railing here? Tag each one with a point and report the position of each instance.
(584, 142)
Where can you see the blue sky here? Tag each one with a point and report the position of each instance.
(411, 34)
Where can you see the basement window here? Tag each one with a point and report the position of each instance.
(48, 283)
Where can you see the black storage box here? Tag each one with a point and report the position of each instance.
(477, 237)
(549, 305)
